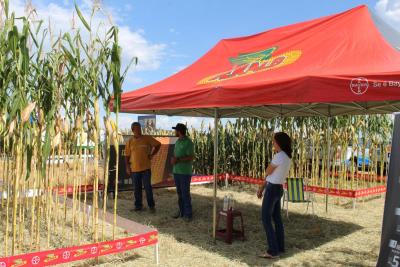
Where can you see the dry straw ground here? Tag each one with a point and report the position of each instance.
(343, 237)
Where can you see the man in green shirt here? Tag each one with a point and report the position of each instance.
(182, 162)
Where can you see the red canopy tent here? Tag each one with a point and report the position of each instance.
(347, 63)
(301, 69)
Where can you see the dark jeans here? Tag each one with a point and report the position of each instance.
(141, 179)
(271, 209)
(182, 183)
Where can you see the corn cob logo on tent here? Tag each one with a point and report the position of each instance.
(324, 67)
(251, 63)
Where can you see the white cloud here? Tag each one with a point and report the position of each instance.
(133, 42)
(389, 10)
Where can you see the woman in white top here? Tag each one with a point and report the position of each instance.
(277, 173)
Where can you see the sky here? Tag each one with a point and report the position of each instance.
(169, 35)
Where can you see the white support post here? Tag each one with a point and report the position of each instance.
(156, 254)
(84, 159)
(216, 122)
(328, 164)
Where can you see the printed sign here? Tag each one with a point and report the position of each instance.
(148, 123)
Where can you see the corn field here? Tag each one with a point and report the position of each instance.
(52, 85)
(245, 148)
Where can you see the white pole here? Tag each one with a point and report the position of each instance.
(216, 120)
(156, 250)
(329, 163)
(84, 159)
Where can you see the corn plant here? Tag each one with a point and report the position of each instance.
(51, 88)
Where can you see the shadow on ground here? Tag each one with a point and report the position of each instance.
(303, 232)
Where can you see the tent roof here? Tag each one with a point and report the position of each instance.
(347, 63)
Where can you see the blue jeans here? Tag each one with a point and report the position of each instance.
(271, 209)
(182, 183)
(141, 179)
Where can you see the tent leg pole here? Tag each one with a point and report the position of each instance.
(216, 120)
(156, 254)
(328, 164)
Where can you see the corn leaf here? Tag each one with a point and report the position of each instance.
(82, 18)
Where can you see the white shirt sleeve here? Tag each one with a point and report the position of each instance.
(277, 159)
(282, 163)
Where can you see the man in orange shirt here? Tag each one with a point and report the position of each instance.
(139, 151)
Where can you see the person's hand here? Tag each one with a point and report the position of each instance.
(174, 160)
(260, 192)
(128, 171)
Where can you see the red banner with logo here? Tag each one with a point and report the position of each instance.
(81, 188)
(70, 254)
(309, 188)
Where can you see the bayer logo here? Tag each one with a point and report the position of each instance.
(93, 250)
(119, 245)
(35, 260)
(3, 264)
(66, 255)
(359, 86)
